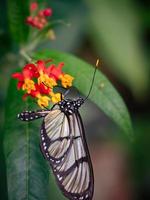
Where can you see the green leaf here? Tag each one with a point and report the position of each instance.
(103, 93)
(115, 32)
(17, 13)
(3, 185)
(27, 170)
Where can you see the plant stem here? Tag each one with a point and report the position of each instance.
(25, 55)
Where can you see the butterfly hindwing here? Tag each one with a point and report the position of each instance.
(64, 146)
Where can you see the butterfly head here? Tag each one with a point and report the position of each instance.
(79, 101)
(70, 106)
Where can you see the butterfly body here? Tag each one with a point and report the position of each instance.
(64, 145)
(69, 106)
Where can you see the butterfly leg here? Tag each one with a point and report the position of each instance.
(66, 93)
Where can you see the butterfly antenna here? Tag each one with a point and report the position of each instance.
(96, 66)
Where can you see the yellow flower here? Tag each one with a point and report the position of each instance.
(43, 101)
(66, 80)
(28, 85)
(55, 97)
(49, 82)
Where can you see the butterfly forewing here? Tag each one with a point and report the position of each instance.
(55, 140)
(64, 146)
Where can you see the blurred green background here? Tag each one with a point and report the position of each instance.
(118, 32)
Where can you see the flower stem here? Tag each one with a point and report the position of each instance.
(25, 55)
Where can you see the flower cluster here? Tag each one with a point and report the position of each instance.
(38, 81)
(38, 18)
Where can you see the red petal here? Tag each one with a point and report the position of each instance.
(35, 92)
(41, 65)
(40, 13)
(25, 96)
(47, 12)
(18, 76)
(27, 73)
(60, 65)
(19, 85)
(30, 66)
(33, 6)
(32, 69)
(49, 60)
(54, 71)
(29, 20)
(43, 89)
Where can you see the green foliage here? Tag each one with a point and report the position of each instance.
(54, 191)
(27, 170)
(141, 149)
(103, 93)
(3, 185)
(17, 13)
(4, 36)
(115, 32)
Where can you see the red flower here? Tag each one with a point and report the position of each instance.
(33, 6)
(38, 81)
(29, 20)
(29, 71)
(33, 93)
(39, 89)
(38, 18)
(47, 12)
(21, 77)
(54, 71)
(42, 89)
(41, 66)
(32, 69)
(41, 13)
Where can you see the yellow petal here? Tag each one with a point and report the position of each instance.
(55, 97)
(43, 101)
(66, 80)
(28, 85)
(49, 82)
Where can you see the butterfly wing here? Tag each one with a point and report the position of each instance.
(63, 144)
(55, 139)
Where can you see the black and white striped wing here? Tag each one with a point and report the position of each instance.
(63, 144)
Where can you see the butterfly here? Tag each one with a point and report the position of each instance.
(63, 144)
